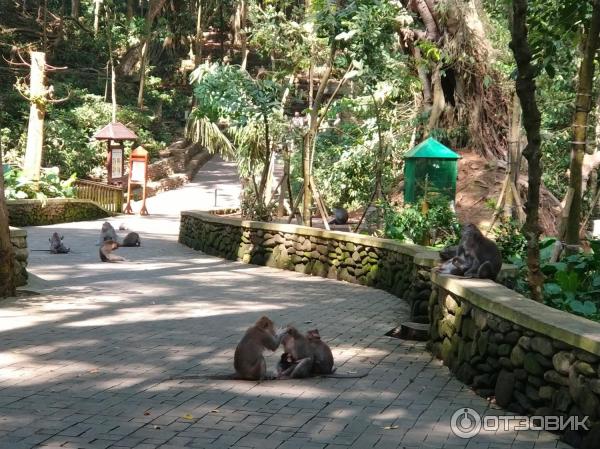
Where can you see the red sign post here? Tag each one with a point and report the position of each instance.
(138, 174)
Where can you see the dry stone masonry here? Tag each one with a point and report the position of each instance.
(52, 211)
(18, 238)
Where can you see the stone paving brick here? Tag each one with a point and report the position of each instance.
(90, 359)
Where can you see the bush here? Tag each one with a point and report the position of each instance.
(433, 224)
(18, 187)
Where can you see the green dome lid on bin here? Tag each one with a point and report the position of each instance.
(431, 149)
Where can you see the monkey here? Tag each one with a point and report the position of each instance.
(482, 256)
(108, 233)
(301, 353)
(106, 252)
(341, 216)
(248, 359)
(448, 252)
(322, 355)
(131, 239)
(56, 244)
(456, 266)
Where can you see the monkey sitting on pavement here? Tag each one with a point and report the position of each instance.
(106, 252)
(132, 239)
(307, 356)
(56, 244)
(108, 233)
(248, 361)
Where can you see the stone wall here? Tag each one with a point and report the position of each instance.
(401, 269)
(18, 238)
(533, 359)
(52, 211)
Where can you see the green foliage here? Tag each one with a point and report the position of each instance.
(438, 226)
(19, 187)
(510, 239)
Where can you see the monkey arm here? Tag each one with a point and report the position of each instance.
(270, 341)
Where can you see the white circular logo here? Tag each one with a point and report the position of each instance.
(465, 423)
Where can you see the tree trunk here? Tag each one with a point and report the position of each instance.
(7, 272)
(154, 8)
(198, 42)
(75, 9)
(113, 76)
(97, 4)
(583, 105)
(37, 113)
(526, 87)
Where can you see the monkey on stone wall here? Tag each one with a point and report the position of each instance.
(475, 256)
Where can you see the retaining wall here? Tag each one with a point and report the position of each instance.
(18, 238)
(52, 211)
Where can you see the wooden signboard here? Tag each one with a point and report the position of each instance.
(138, 174)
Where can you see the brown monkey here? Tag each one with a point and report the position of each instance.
(131, 239)
(306, 355)
(300, 351)
(483, 258)
(106, 252)
(248, 360)
(56, 244)
(108, 233)
(322, 356)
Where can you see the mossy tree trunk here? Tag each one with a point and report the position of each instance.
(526, 88)
(583, 106)
(7, 272)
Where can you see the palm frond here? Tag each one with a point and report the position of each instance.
(209, 135)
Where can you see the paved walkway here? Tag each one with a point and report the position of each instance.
(87, 363)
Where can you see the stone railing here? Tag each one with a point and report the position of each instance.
(18, 238)
(534, 359)
(401, 269)
(52, 211)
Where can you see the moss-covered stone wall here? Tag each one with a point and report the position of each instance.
(401, 269)
(52, 211)
(18, 238)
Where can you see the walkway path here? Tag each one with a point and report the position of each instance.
(87, 363)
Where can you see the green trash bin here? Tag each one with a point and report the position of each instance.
(430, 168)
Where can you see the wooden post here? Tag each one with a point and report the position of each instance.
(37, 112)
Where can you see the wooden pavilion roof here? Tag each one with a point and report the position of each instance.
(115, 131)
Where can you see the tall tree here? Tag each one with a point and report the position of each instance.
(583, 106)
(154, 9)
(7, 272)
(526, 88)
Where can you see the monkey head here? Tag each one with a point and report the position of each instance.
(313, 334)
(106, 226)
(470, 229)
(266, 324)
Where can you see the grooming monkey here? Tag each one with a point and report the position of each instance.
(248, 361)
(476, 256)
(307, 356)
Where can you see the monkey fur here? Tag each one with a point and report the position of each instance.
(131, 240)
(248, 360)
(341, 216)
(56, 244)
(106, 252)
(108, 233)
(475, 256)
(307, 356)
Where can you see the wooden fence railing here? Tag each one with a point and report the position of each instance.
(109, 197)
